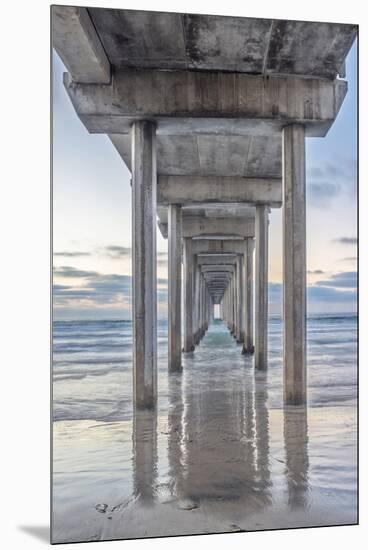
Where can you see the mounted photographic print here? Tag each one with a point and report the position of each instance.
(204, 372)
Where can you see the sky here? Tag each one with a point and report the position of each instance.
(92, 218)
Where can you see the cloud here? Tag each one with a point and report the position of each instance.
(162, 259)
(349, 259)
(327, 181)
(345, 279)
(67, 254)
(97, 290)
(67, 271)
(116, 252)
(343, 291)
(315, 272)
(321, 193)
(346, 240)
(331, 295)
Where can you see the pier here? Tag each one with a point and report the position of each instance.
(211, 115)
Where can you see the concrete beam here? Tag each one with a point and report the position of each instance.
(170, 96)
(75, 39)
(195, 226)
(199, 189)
(218, 246)
(217, 268)
(219, 259)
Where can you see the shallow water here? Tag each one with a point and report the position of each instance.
(220, 455)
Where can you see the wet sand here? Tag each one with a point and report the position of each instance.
(217, 457)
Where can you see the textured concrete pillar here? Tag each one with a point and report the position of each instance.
(174, 272)
(240, 298)
(144, 310)
(201, 305)
(197, 306)
(234, 303)
(188, 295)
(261, 302)
(248, 346)
(294, 264)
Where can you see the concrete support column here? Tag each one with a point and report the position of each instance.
(261, 305)
(188, 295)
(294, 264)
(201, 301)
(234, 303)
(240, 298)
(198, 305)
(194, 309)
(174, 313)
(144, 310)
(248, 346)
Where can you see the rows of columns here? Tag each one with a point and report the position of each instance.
(236, 292)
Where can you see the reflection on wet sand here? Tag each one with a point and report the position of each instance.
(297, 460)
(218, 447)
(218, 442)
(145, 455)
(219, 454)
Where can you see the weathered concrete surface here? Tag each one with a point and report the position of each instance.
(261, 294)
(195, 226)
(191, 190)
(174, 287)
(188, 295)
(211, 42)
(225, 155)
(294, 264)
(208, 246)
(217, 269)
(151, 94)
(75, 39)
(144, 306)
(213, 210)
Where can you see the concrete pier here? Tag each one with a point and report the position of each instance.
(174, 288)
(224, 160)
(144, 307)
(188, 295)
(294, 264)
(261, 295)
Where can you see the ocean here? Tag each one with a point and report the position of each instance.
(220, 455)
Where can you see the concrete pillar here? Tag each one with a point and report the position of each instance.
(188, 295)
(234, 303)
(294, 264)
(144, 309)
(261, 303)
(248, 346)
(174, 313)
(240, 298)
(201, 306)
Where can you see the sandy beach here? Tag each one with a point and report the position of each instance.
(220, 455)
